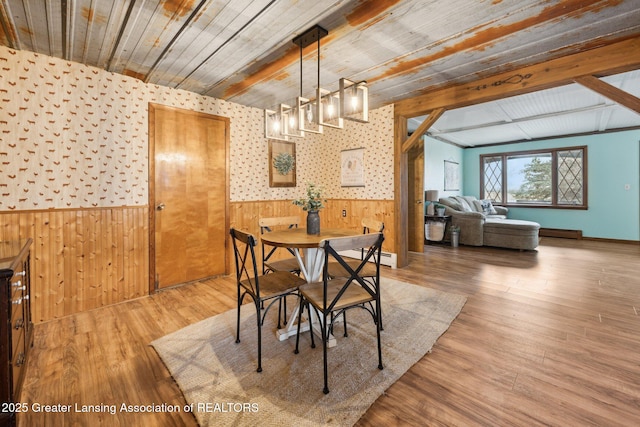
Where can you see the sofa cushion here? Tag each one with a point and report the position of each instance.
(464, 204)
(451, 202)
(510, 226)
(511, 233)
(495, 216)
(470, 200)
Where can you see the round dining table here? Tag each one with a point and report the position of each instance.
(297, 238)
(311, 263)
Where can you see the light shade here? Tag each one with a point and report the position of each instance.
(329, 108)
(431, 195)
(273, 125)
(289, 119)
(308, 116)
(354, 101)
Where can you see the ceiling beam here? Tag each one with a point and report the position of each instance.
(422, 129)
(618, 96)
(610, 59)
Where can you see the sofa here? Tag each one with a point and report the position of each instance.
(483, 224)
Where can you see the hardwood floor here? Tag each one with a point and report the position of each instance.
(546, 338)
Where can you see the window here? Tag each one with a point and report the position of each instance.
(549, 178)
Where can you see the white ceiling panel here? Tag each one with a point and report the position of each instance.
(561, 111)
(498, 134)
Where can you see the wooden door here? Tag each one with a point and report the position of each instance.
(188, 198)
(416, 198)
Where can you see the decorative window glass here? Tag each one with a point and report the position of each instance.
(492, 167)
(545, 178)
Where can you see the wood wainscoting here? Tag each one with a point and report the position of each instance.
(245, 215)
(88, 258)
(82, 258)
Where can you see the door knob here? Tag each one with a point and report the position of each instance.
(160, 207)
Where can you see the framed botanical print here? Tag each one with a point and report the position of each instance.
(282, 164)
(352, 167)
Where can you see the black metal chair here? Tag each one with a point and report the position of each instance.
(368, 272)
(269, 261)
(269, 288)
(369, 225)
(268, 252)
(335, 296)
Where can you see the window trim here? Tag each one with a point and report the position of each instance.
(554, 177)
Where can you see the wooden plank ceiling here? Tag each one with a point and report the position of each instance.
(242, 50)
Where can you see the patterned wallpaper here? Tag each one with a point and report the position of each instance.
(321, 157)
(75, 136)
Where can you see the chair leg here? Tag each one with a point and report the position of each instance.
(344, 319)
(378, 328)
(378, 318)
(299, 321)
(259, 320)
(285, 319)
(313, 342)
(380, 312)
(279, 311)
(325, 333)
(238, 322)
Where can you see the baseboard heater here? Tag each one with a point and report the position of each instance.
(386, 258)
(565, 234)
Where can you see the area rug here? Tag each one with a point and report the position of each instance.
(219, 380)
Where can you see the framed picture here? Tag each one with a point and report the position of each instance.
(282, 164)
(451, 176)
(352, 168)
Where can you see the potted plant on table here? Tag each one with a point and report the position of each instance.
(312, 204)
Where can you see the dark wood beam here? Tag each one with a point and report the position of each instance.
(401, 189)
(422, 129)
(611, 59)
(618, 96)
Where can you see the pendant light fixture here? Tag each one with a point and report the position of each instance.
(308, 109)
(327, 109)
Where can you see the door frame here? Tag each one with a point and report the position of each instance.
(415, 188)
(152, 184)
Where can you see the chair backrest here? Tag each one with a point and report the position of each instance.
(281, 221)
(244, 252)
(373, 244)
(269, 224)
(371, 225)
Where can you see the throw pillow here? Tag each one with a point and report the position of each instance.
(488, 208)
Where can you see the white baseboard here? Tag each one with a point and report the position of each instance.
(386, 258)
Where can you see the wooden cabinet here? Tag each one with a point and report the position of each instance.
(15, 326)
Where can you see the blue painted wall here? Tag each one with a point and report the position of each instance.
(613, 166)
(436, 152)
